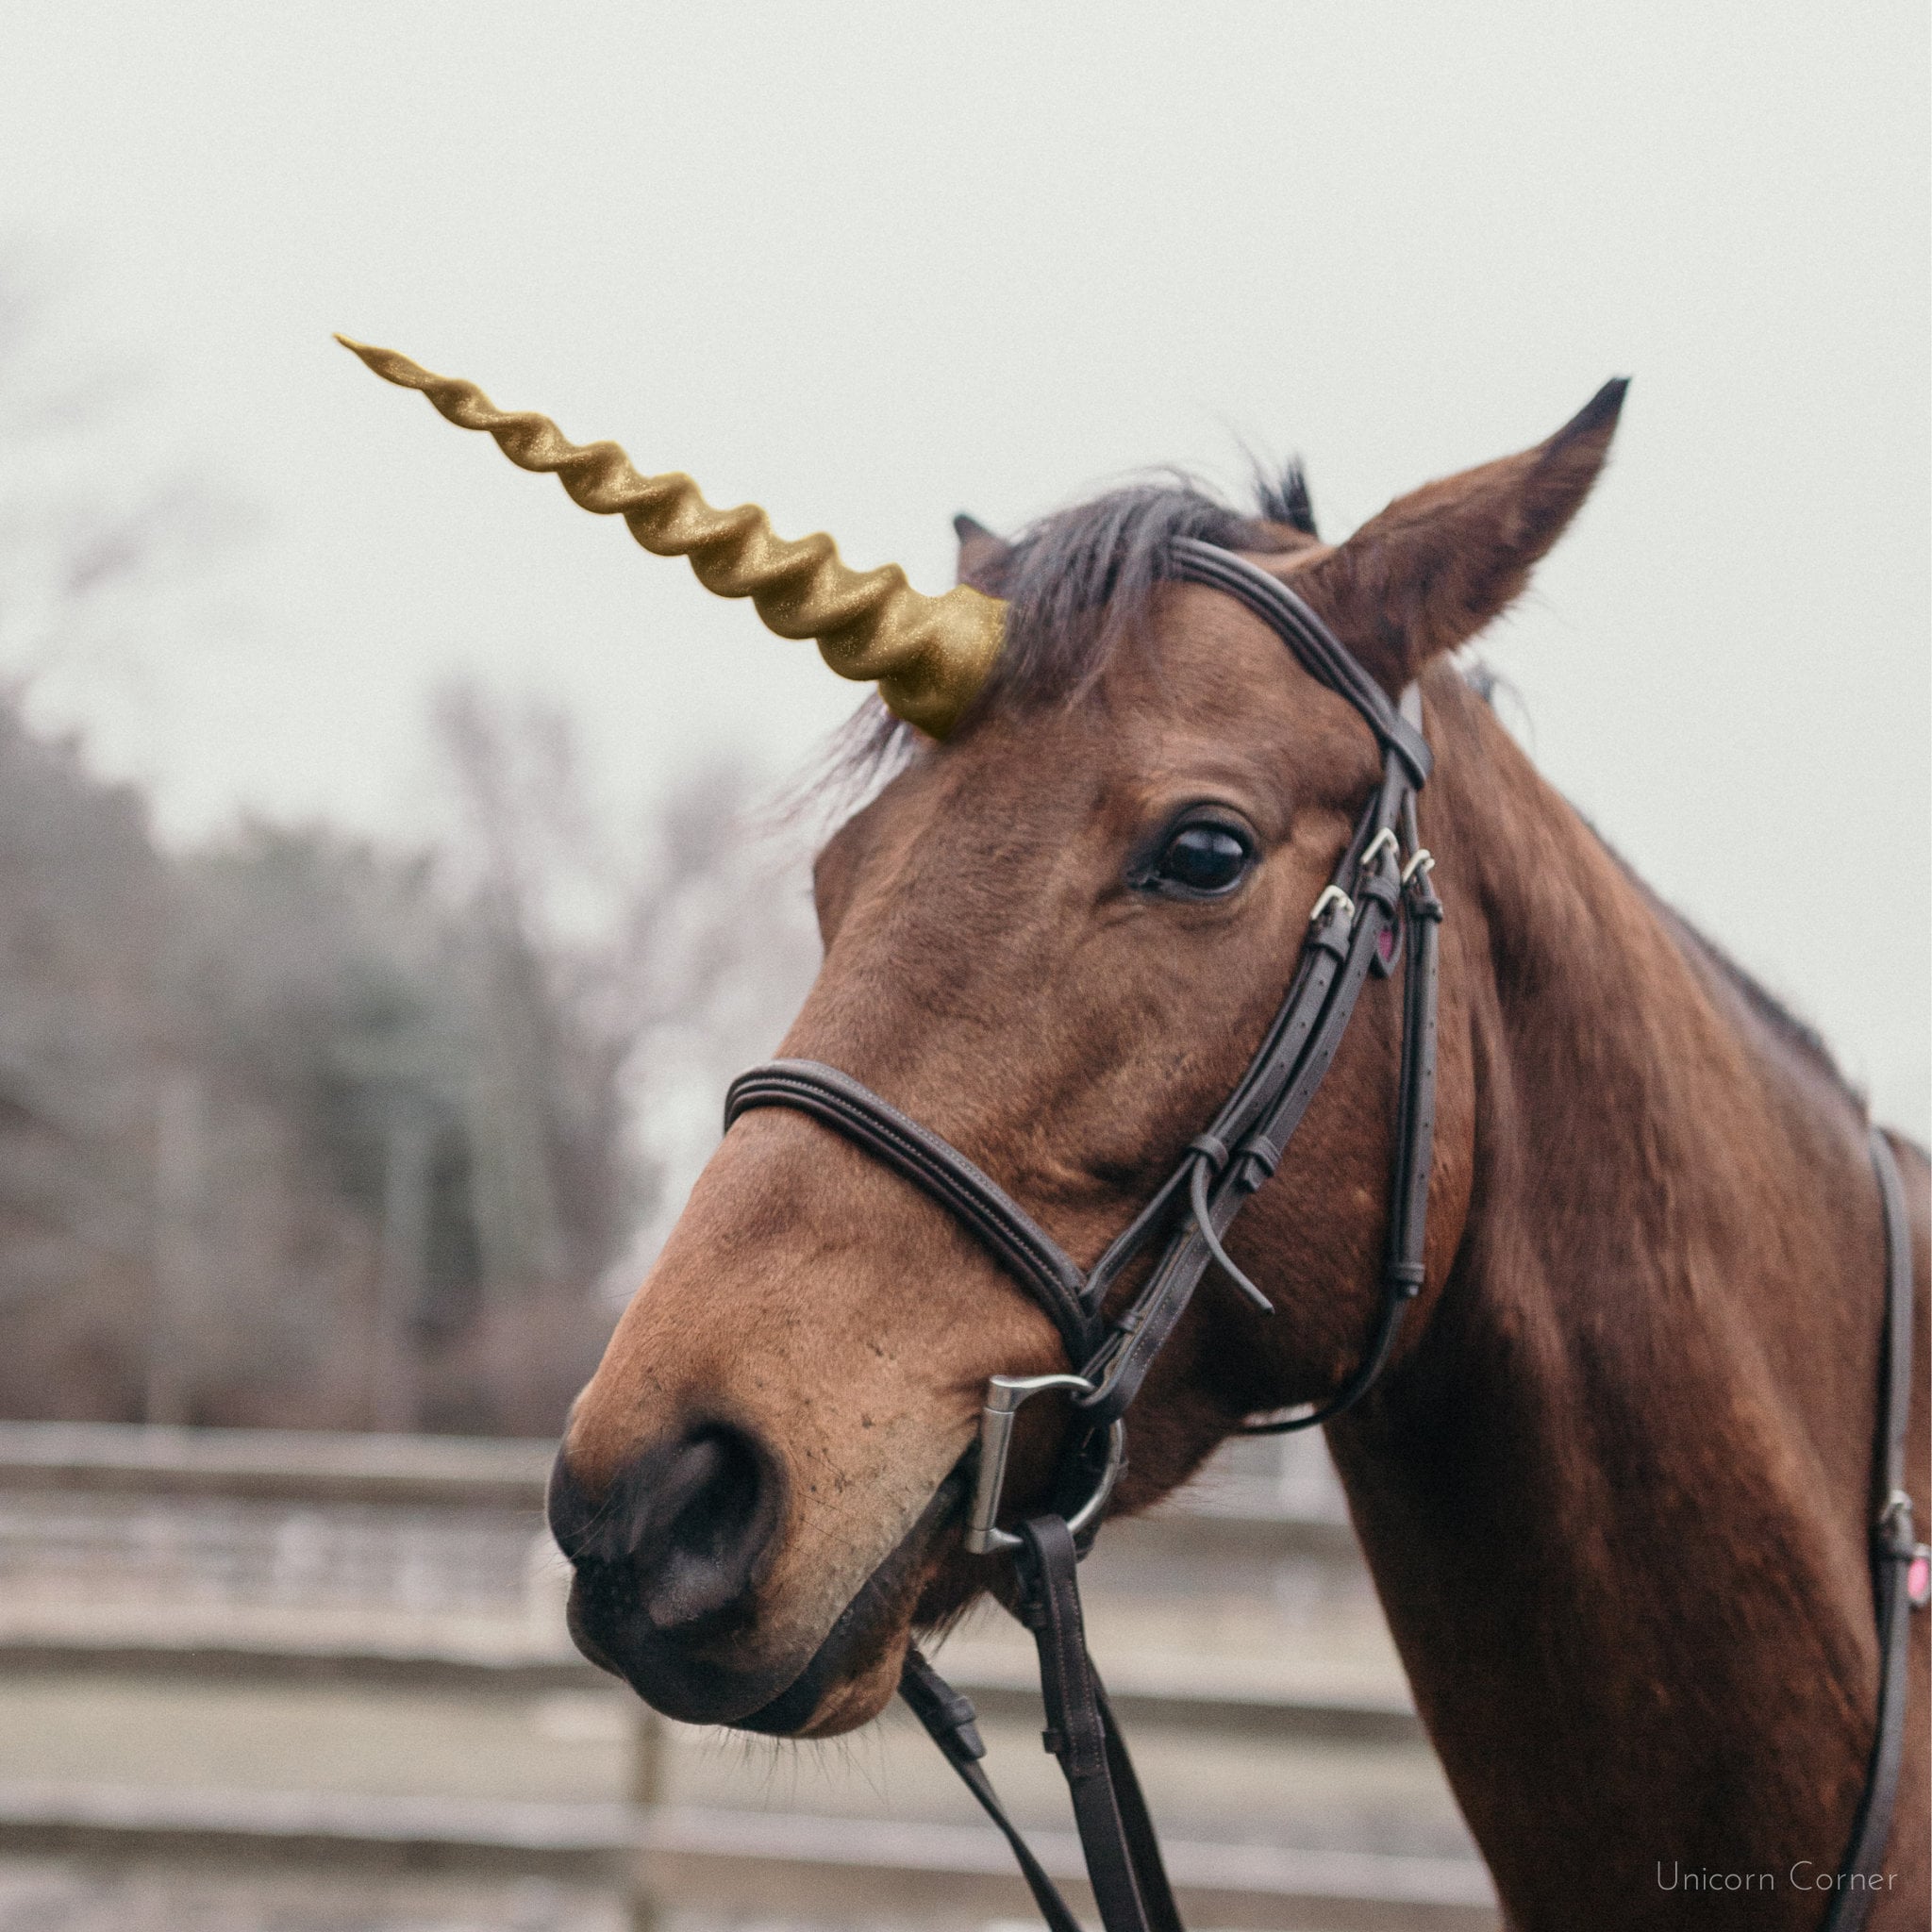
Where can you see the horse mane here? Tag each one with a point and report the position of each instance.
(1799, 1035)
(1077, 584)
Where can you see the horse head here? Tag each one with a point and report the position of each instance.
(1055, 936)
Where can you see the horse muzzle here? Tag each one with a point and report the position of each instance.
(667, 1555)
(668, 1558)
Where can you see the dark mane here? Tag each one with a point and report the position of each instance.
(1285, 499)
(1799, 1035)
(1078, 582)
(1801, 1038)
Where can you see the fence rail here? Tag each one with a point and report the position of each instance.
(752, 1861)
(289, 1465)
(256, 1559)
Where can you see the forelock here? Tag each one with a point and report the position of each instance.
(1079, 583)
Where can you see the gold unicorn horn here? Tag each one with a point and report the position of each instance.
(929, 655)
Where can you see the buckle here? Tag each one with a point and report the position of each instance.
(1383, 841)
(1006, 1395)
(1333, 898)
(1896, 1536)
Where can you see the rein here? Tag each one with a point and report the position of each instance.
(1379, 910)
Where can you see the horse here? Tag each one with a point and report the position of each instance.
(1614, 1480)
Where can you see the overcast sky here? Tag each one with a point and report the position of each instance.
(871, 265)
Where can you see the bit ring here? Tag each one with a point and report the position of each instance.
(1005, 1397)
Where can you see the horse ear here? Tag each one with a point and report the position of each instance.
(1437, 565)
(982, 556)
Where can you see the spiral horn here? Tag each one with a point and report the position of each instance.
(929, 656)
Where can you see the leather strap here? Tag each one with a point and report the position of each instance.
(1256, 1130)
(918, 1154)
(1123, 1865)
(1894, 1550)
(1415, 1121)
(1323, 655)
(951, 1721)
(1415, 1128)
(1249, 1138)
(953, 1724)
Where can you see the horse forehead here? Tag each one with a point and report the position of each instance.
(1211, 661)
(1207, 692)
(1200, 673)
(1204, 693)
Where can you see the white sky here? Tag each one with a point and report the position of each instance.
(872, 264)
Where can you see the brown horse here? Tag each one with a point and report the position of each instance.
(1616, 1483)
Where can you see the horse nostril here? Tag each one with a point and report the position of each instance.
(678, 1534)
(709, 1524)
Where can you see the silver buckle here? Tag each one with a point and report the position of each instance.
(1900, 1535)
(1332, 896)
(1384, 840)
(1005, 1397)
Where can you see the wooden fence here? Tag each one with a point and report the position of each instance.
(228, 1559)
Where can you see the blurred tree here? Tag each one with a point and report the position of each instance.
(82, 903)
(299, 1129)
(88, 536)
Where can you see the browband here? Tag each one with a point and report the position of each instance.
(1323, 655)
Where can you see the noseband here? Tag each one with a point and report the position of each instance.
(1378, 908)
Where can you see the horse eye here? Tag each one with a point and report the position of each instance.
(1204, 859)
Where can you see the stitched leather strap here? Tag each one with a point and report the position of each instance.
(1323, 655)
(1123, 1865)
(940, 1170)
(1249, 1137)
(1415, 1128)
(1257, 1130)
(953, 1724)
(950, 1720)
(1415, 1125)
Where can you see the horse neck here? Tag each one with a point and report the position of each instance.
(1615, 1500)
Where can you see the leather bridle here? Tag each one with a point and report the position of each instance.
(1379, 907)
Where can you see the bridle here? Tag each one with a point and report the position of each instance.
(1379, 907)
(1379, 904)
